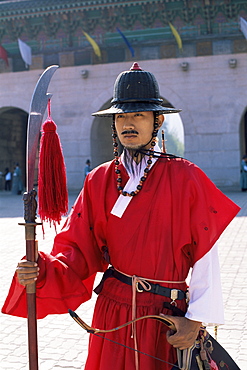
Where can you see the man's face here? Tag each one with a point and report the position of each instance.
(135, 129)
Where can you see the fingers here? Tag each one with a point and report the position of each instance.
(186, 334)
(27, 272)
(178, 341)
(170, 319)
(26, 263)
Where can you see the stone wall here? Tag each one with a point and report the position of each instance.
(211, 94)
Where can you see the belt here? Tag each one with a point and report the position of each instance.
(174, 294)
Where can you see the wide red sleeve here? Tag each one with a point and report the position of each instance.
(210, 212)
(58, 289)
(67, 274)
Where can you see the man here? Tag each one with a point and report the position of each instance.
(17, 185)
(87, 168)
(8, 175)
(153, 217)
(243, 174)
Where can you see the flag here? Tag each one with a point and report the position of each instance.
(176, 35)
(127, 42)
(4, 55)
(243, 26)
(93, 43)
(26, 52)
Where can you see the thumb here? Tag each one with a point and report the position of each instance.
(172, 319)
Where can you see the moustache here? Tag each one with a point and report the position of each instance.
(128, 132)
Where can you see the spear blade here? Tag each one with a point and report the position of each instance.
(36, 112)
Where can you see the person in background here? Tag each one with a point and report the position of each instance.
(87, 168)
(17, 185)
(145, 219)
(243, 174)
(8, 176)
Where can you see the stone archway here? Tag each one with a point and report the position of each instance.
(13, 129)
(101, 139)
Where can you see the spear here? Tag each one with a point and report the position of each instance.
(37, 109)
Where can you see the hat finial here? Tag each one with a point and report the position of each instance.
(135, 67)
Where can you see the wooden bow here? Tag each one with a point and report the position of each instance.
(95, 331)
(91, 330)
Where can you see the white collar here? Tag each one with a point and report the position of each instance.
(123, 201)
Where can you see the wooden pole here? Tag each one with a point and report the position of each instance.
(30, 206)
(31, 305)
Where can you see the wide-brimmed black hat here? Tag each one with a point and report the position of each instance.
(136, 91)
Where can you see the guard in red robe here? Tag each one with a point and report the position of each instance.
(152, 217)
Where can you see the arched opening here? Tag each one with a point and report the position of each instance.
(174, 132)
(243, 151)
(101, 139)
(243, 134)
(13, 129)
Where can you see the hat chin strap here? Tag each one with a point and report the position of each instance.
(117, 162)
(154, 135)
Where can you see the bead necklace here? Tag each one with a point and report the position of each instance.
(117, 162)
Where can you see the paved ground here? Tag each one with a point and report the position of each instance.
(62, 343)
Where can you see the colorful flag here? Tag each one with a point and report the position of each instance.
(176, 35)
(26, 52)
(4, 55)
(243, 26)
(127, 42)
(93, 43)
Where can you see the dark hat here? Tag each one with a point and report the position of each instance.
(136, 91)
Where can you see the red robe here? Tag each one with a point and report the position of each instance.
(173, 222)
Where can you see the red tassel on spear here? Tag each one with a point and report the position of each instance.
(53, 194)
